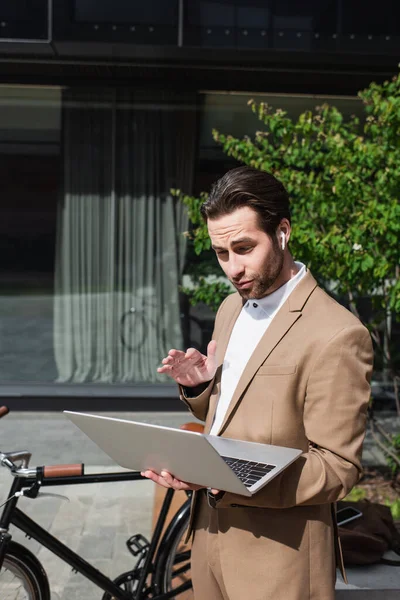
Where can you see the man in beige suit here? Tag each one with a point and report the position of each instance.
(287, 366)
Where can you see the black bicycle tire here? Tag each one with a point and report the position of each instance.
(167, 550)
(125, 343)
(127, 576)
(30, 568)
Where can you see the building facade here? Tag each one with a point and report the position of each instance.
(104, 108)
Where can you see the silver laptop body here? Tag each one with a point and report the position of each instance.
(189, 456)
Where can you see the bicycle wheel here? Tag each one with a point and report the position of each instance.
(22, 577)
(127, 582)
(173, 567)
(133, 329)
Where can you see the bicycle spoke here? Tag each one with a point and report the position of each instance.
(182, 556)
(181, 588)
(12, 587)
(180, 571)
(176, 569)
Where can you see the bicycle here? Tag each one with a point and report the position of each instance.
(161, 563)
(134, 325)
(133, 329)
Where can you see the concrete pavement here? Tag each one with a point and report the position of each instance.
(98, 518)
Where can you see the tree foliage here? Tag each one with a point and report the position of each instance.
(344, 182)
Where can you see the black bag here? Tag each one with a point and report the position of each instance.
(365, 540)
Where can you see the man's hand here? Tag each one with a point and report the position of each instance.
(190, 368)
(169, 481)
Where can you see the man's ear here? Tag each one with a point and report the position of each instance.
(284, 230)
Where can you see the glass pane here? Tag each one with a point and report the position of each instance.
(211, 13)
(260, 23)
(92, 243)
(15, 10)
(30, 121)
(255, 15)
(230, 114)
(24, 19)
(360, 17)
(162, 12)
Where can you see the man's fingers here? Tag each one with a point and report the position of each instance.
(192, 353)
(174, 365)
(165, 369)
(183, 360)
(173, 355)
(176, 354)
(173, 482)
(165, 479)
(159, 479)
(167, 360)
(212, 349)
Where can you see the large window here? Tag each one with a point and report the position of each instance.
(229, 113)
(91, 239)
(310, 25)
(92, 254)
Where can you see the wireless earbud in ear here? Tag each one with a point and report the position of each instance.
(283, 240)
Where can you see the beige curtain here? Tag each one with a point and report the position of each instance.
(120, 247)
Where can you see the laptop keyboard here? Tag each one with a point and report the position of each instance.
(248, 472)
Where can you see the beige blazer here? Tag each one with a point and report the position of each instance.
(305, 386)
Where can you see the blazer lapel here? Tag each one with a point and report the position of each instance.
(288, 314)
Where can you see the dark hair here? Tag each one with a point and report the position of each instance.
(245, 186)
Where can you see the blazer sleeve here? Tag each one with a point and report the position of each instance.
(335, 410)
(198, 405)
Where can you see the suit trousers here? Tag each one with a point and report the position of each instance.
(207, 579)
(225, 566)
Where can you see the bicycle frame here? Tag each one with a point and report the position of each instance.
(13, 515)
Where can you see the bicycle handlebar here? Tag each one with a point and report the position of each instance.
(63, 470)
(72, 470)
(4, 410)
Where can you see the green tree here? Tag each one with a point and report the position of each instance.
(344, 181)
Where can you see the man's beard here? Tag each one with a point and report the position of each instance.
(263, 282)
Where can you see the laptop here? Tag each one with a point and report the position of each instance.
(207, 460)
